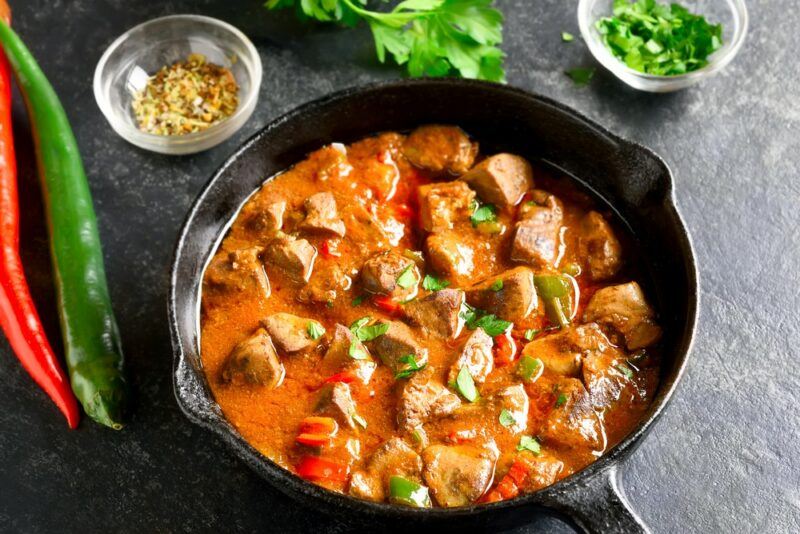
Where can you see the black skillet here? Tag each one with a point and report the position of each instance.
(630, 178)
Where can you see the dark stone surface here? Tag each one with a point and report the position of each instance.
(724, 456)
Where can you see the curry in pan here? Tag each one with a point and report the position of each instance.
(407, 320)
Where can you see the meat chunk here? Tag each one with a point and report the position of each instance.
(573, 423)
(337, 359)
(330, 162)
(542, 470)
(450, 257)
(438, 313)
(563, 352)
(515, 401)
(254, 361)
(293, 256)
(424, 398)
(501, 179)
(440, 148)
(335, 400)
(240, 270)
(289, 332)
(476, 356)
(264, 216)
(326, 284)
(393, 458)
(457, 475)
(322, 216)
(381, 272)
(443, 203)
(606, 376)
(396, 344)
(537, 232)
(600, 247)
(510, 295)
(624, 310)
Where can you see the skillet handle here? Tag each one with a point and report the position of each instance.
(599, 506)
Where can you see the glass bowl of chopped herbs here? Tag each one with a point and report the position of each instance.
(660, 46)
(178, 84)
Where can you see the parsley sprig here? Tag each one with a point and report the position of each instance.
(429, 37)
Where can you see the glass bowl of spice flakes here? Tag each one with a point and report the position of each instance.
(178, 84)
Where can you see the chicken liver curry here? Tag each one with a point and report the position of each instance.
(407, 320)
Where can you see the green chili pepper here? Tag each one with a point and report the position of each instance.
(408, 493)
(554, 291)
(91, 338)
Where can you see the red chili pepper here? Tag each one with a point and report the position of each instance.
(313, 440)
(314, 468)
(328, 251)
(387, 304)
(505, 349)
(345, 376)
(18, 316)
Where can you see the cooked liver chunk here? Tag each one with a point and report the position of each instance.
(573, 424)
(423, 398)
(326, 284)
(254, 361)
(337, 358)
(399, 341)
(443, 203)
(322, 216)
(380, 273)
(564, 351)
(604, 377)
(600, 247)
(438, 313)
(336, 400)
(449, 256)
(240, 270)
(293, 256)
(543, 470)
(265, 216)
(501, 179)
(624, 310)
(536, 237)
(289, 332)
(514, 301)
(476, 356)
(393, 458)
(440, 148)
(457, 475)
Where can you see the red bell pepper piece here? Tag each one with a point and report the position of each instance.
(345, 376)
(319, 425)
(314, 468)
(328, 251)
(314, 440)
(18, 316)
(387, 304)
(505, 349)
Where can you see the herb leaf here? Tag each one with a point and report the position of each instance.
(431, 283)
(483, 213)
(527, 443)
(506, 418)
(530, 333)
(562, 398)
(356, 351)
(407, 278)
(475, 318)
(367, 333)
(497, 285)
(466, 385)
(410, 368)
(581, 76)
(315, 330)
(358, 300)
(625, 370)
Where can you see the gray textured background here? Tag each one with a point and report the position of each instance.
(723, 458)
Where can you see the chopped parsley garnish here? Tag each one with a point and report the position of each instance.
(660, 39)
(562, 398)
(625, 370)
(431, 283)
(527, 443)
(315, 330)
(475, 318)
(407, 277)
(497, 285)
(506, 419)
(356, 351)
(530, 333)
(567, 37)
(411, 367)
(581, 76)
(483, 213)
(367, 333)
(529, 367)
(358, 300)
(466, 385)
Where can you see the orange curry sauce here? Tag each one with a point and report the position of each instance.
(375, 187)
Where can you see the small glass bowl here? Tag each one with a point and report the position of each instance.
(142, 51)
(732, 14)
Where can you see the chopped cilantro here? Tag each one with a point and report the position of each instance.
(497, 285)
(482, 214)
(475, 318)
(431, 283)
(562, 398)
(407, 277)
(581, 76)
(527, 443)
(315, 330)
(625, 370)
(659, 39)
(506, 419)
(410, 368)
(367, 333)
(356, 351)
(567, 37)
(358, 300)
(466, 385)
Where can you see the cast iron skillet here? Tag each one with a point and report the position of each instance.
(634, 181)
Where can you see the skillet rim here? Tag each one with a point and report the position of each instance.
(294, 486)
